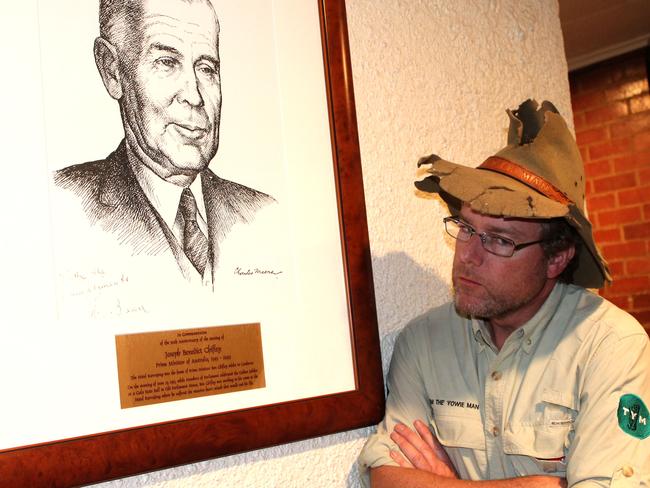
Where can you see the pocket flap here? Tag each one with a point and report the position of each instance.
(459, 431)
(537, 441)
(558, 398)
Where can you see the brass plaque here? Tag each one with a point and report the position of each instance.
(157, 367)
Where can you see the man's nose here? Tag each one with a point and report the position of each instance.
(190, 91)
(472, 251)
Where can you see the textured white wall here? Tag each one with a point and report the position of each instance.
(429, 76)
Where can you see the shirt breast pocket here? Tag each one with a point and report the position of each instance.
(464, 441)
(540, 446)
(459, 431)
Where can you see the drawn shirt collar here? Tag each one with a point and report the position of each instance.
(165, 196)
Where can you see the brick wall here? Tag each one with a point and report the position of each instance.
(611, 107)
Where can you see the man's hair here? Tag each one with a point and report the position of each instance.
(558, 235)
(117, 18)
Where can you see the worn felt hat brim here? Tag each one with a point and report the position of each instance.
(491, 193)
(592, 270)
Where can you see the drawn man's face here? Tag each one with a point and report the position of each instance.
(172, 87)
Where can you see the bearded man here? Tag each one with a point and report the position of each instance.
(527, 378)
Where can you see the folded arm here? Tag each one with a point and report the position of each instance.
(391, 476)
(424, 463)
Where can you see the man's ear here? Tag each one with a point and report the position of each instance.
(107, 63)
(559, 261)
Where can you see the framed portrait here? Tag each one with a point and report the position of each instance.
(190, 270)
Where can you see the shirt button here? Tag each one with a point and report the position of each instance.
(496, 375)
(628, 471)
(528, 342)
(495, 431)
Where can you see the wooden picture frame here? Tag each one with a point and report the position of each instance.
(121, 453)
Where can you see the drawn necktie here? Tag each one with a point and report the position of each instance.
(195, 244)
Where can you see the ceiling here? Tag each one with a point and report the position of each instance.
(595, 30)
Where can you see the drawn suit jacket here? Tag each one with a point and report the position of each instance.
(111, 197)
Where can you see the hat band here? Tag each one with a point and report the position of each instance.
(508, 168)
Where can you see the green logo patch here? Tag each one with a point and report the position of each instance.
(633, 416)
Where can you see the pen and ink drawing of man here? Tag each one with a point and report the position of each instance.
(155, 195)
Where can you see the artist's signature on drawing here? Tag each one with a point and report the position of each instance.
(256, 271)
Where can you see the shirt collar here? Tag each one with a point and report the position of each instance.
(165, 196)
(482, 334)
(530, 332)
(533, 329)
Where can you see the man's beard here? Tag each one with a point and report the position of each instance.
(490, 306)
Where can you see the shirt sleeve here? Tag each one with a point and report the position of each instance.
(407, 401)
(609, 448)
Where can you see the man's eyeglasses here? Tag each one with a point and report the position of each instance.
(492, 243)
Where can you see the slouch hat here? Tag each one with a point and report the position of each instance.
(539, 174)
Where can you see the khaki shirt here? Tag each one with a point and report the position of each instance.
(547, 403)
